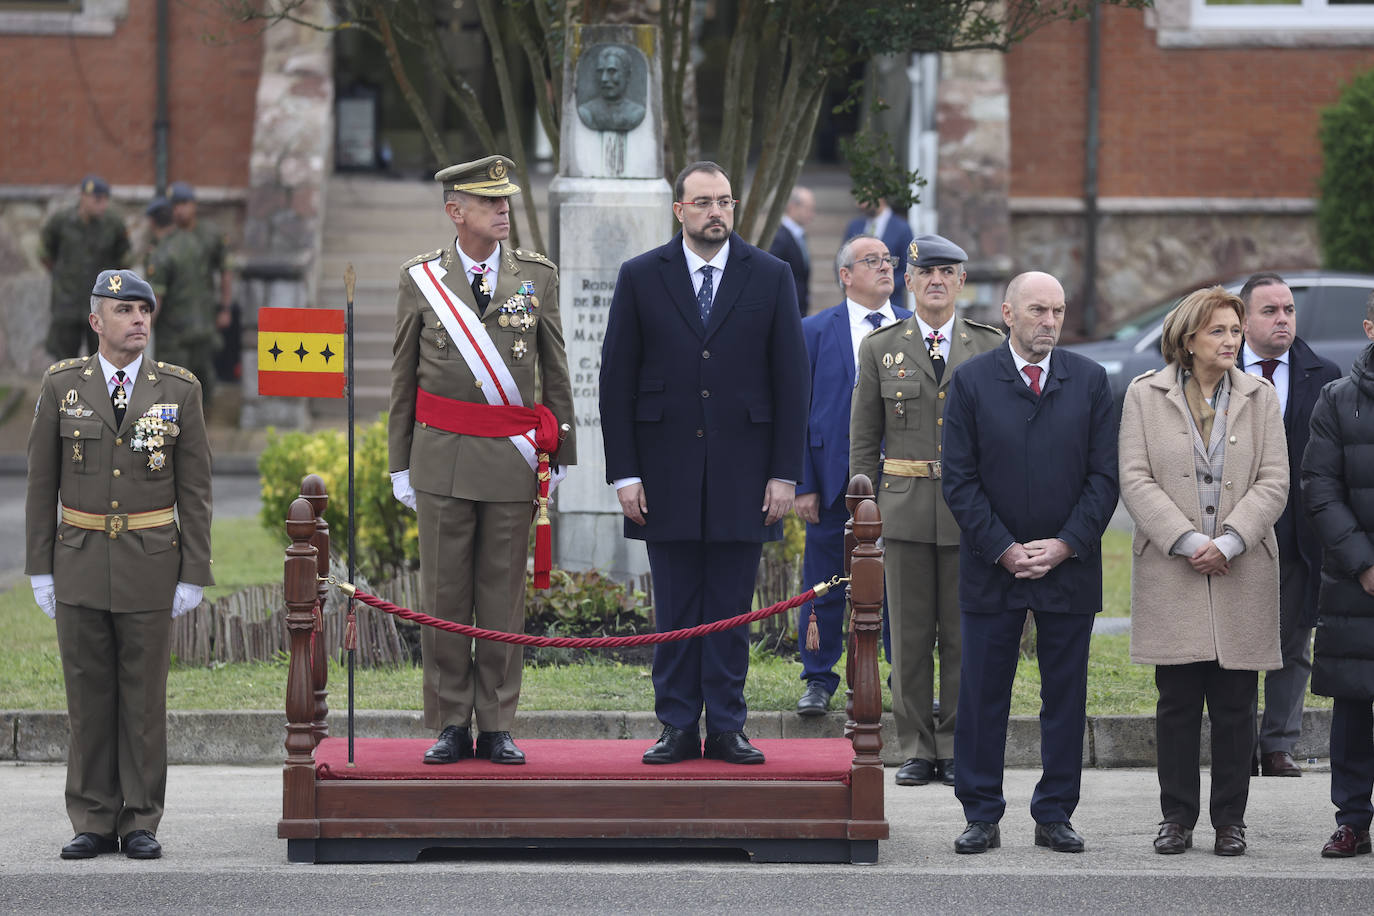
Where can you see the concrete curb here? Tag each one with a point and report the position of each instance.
(256, 737)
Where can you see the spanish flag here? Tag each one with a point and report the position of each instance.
(301, 353)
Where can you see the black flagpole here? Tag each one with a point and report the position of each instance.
(350, 278)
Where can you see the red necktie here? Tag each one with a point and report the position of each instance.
(1267, 366)
(1033, 373)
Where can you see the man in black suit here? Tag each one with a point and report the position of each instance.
(704, 391)
(790, 242)
(1029, 471)
(1273, 350)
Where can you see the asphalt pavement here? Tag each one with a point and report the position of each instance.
(222, 854)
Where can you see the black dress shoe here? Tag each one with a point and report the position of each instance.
(915, 772)
(1059, 836)
(816, 700)
(141, 844)
(1230, 841)
(978, 836)
(1279, 763)
(499, 747)
(731, 747)
(89, 845)
(674, 746)
(454, 744)
(944, 768)
(1173, 839)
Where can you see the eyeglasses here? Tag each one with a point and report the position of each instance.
(705, 203)
(875, 263)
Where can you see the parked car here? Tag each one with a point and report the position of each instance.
(1330, 304)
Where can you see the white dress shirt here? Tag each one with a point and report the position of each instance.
(130, 373)
(1021, 364)
(492, 261)
(860, 326)
(945, 330)
(1252, 366)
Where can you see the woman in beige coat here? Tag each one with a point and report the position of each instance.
(1204, 474)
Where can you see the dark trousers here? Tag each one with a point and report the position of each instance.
(1352, 761)
(697, 582)
(115, 669)
(991, 644)
(1230, 699)
(1285, 689)
(824, 558)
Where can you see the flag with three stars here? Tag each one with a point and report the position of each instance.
(301, 352)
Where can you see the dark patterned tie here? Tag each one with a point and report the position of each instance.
(706, 293)
(1033, 373)
(481, 287)
(875, 319)
(937, 360)
(119, 398)
(1267, 366)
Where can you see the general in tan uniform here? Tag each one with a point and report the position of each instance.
(118, 542)
(473, 494)
(899, 405)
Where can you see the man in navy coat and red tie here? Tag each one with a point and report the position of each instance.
(866, 271)
(704, 392)
(1029, 471)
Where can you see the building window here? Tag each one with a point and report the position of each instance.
(1282, 14)
(61, 17)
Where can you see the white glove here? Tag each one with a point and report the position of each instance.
(44, 594)
(187, 596)
(401, 488)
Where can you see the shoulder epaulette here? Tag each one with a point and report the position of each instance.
(77, 362)
(535, 256)
(885, 328)
(1146, 374)
(172, 369)
(985, 327)
(421, 258)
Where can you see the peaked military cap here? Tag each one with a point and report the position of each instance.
(94, 184)
(180, 191)
(489, 177)
(934, 250)
(158, 206)
(123, 284)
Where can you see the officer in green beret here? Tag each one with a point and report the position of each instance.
(895, 433)
(74, 245)
(477, 332)
(117, 524)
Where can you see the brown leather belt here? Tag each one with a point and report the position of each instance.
(114, 524)
(902, 467)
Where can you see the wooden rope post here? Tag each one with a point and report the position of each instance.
(866, 625)
(313, 491)
(860, 489)
(298, 797)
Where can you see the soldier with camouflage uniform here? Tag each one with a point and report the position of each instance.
(75, 245)
(180, 269)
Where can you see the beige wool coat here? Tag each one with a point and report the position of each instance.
(1177, 615)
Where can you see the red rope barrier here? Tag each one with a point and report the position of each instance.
(591, 642)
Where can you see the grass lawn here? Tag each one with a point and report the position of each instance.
(31, 675)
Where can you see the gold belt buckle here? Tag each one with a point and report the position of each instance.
(934, 469)
(114, 524)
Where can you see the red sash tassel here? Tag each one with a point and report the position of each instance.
(496, 421)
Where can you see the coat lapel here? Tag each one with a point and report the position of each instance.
(144, 394)
(737, 271)
(94, 392)
(1011, 376)
(673, 269)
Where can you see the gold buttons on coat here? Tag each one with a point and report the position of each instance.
(116, 472)
(114, 504)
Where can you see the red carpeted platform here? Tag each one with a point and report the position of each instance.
(818, 759)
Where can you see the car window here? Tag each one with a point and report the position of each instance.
(1337, 315)
(1131, 329)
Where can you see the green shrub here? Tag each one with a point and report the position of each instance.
(388, 539)
(1345, 212)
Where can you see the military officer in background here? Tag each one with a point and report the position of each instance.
(899, 401)
(118, 542)
(74, 245)
(220, 279)
(477, 328)
(181, 268)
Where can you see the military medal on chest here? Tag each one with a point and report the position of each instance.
(71, 405)
(151, 432)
